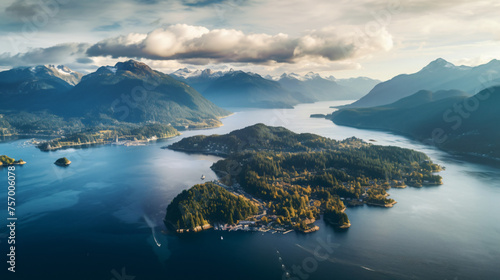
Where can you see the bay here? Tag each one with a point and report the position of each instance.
(101, 217)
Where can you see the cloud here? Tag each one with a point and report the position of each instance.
(108, 27)
(148, 1)
(63, 53)
(84, 60)
(200, 45)
(203, 3)
(20, 8)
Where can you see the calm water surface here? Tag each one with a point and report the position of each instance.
(101, 217)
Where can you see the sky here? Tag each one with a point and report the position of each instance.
(344, 38)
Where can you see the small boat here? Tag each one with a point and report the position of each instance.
(203, 177)
(221, 238)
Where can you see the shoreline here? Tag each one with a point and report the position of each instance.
(240, 227)
(127, 143)
(194, 151)
(20, 163)
(467, 156)
(387, 205)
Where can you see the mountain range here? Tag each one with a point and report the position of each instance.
(133, 92)
(241, 89)
(318, 88)
(438, 75)
(54, 98)
(198, 79)
(327, 88)
(246, 89)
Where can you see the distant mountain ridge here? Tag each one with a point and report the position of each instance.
(198, 79)
(359, 85)
(33, 87)
(245, 89)
(186, 73)
(437, 75)
(321, 89)
(451, 120)
(262, 92)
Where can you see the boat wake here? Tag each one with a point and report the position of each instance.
(369, 269)
(152, 226)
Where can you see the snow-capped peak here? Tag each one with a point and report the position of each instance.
(112, 69)
(61, 69)
(306, 77)
(331, 78)
(183, 73)
(58, 69)
(439, 64)
(292, 76)
(186, 73)
(269, 77)
(311, 76)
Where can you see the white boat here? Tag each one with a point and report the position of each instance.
(203, 177)
(221, 238)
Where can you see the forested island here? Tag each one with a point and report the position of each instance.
(294, 178)
(63, 162)
(8, 161)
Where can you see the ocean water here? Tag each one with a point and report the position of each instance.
(101, 217)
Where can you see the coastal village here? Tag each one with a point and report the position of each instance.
(267, 223)
(262, 222)
(122, 141)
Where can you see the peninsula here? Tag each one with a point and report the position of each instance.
(127, 135)
(8, 161)
(293, 179)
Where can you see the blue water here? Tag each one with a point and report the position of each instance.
(88, 220)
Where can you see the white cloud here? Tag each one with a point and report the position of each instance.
(199, 45)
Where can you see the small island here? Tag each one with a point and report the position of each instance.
(8, 161)
(62, 162)
(295, 179)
